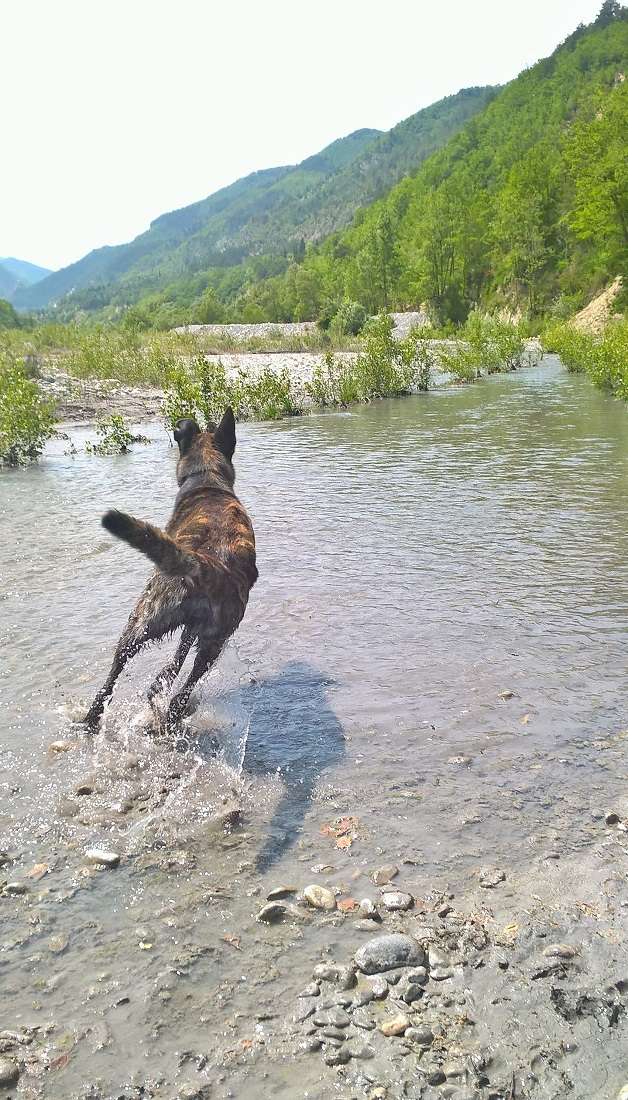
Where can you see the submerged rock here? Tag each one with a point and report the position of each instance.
(395, 1026)
(396, 900)
(319, 897)
(9, 1072)
(388, 952)
(491, 876)
(102, 857)
(384, 874)
(272, 913)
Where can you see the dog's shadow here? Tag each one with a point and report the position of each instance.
(295, 734)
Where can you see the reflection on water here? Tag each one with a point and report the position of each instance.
(417, 559)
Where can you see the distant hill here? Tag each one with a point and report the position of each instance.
(525, 208)
(272, 213)
(18, 273)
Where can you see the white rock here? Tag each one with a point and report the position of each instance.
(102, 857)
(319, 897)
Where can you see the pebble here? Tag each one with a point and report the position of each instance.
(312, 1045)
(611, 818)
(623, 1093)
(280, 892)
(490, 877)
(364, 997)
(60, 746)
(320, 897)
(4, 858)
(303, 1011)
(9, 1072)
(334, 1033)
(384, 874)
(396, 1025)
(361, 1050)
(454, 1070)
(378, 1093)
(396, 900)
(347, 977)
(337, 1057)
(387, 952)
(503, 695)
(559, 951)
(84, 789)
(335, 1017)
(366, 925)
(379, 987)
(436, 957)
(272, 913)
(368, 909)
(102, 857)
(422, 1036)
(436, 1078)
(326, 972)
(311, 990)
(58, 944)
(417, 976)
(362, 1019)
(412, 992)
(444, 910)
(15, 888)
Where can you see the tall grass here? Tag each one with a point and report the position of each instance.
(604, 357)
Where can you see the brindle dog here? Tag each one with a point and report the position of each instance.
(205, 565)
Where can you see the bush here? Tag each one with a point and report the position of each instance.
(350, 319)
(604, 357)
(385, 368)
(26, 417)
(115, 438)
(203, 390)
(487, 345)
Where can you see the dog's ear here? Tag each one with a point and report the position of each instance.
(185, 431)
(224, 436)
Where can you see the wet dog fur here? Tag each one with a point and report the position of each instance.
(205, 565)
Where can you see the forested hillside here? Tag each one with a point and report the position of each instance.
(271, 215)
(527, 207)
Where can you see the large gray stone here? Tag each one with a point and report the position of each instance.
(387, 952)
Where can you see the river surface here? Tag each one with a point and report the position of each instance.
(436, 648)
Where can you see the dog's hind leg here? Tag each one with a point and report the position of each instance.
(169, 672)
(205, 657)
(127, 647)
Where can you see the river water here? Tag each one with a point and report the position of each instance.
(436, 648)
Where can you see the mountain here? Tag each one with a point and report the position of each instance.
(18, 273)
(271, 213)
(525, 208)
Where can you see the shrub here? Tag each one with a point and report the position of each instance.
(486, 345)
(26, 417)
(203, 389)
(350, 319)
(604, 357)
(115, 438)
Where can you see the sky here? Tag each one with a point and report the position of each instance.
(115, 111)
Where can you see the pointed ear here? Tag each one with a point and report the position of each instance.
(225, 436)
(185, 432)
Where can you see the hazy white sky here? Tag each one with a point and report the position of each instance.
(114, 111)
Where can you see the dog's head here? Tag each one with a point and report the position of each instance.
(208, 452)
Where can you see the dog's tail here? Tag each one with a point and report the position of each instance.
(162, 550)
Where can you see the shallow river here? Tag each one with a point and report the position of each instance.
(436, 648)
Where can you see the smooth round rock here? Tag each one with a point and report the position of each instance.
(272, 913)
(319, 897)
(379, 987)
(9, 1072)
(422, 1036)
(559, 951)
(368, 910)
(397, 901)
(102, 857)
(384, 874)
(396, 1025)
(388, 952)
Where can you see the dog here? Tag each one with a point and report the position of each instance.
(205, 565)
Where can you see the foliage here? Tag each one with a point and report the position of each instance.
(385, 368)
(203, 389)
(486, 345)
(603, 357)
(115, 437)
(26, 418)
(8, 317)
(350, 318)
